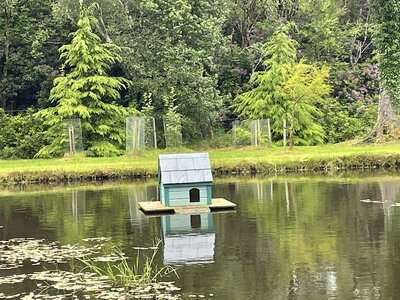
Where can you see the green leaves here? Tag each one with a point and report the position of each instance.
(87, 93)
(21, 136)
(386, 37)
(287, 90)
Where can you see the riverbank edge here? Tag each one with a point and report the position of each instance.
(220, 169)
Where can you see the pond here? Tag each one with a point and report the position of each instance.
(290, 237)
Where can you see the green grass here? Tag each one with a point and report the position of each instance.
(224, 161)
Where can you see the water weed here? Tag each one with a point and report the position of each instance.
(125, 272)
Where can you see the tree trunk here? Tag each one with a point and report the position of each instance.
(6, 49)
(387, 127)
(244, 20)
(102, 27)
(291, 131)
(128, 15)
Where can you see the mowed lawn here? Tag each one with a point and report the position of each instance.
(228, 157)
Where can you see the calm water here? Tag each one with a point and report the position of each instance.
(290, 238)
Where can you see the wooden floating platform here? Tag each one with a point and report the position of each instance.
(156, 207)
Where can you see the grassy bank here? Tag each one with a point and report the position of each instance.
(224, 162)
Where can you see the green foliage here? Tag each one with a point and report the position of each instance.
(172, 122)
(88, 93)
(242, 136)
(174, 45)
(28, 45)
(325, 36)
(353, 111)
(341, 125)
(21, 136)
(287, 90)
(306, 88)
(206, 50)
(147, 108)
(265, 100)
(125, 274)
(220, 139)
(386, 37)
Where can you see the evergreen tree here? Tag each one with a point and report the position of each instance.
(305, 89)
(87, 92)
(286, 90)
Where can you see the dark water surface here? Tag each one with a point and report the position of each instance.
(290, 238)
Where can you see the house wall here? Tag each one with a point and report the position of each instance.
(162, 194)
(178, 195)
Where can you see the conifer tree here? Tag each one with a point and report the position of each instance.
(87, 92)
(286, 90)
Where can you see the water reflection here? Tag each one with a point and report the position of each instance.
(290, 238)
(78, 199)
(188, 239)
(138, 194)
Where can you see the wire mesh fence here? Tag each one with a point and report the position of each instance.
(241, 135)
(73, 136)
(140, 134)
(150, 133)
(260, 132)
(172, 132)
(134, 135)
(254, 132)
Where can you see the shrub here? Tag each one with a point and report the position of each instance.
(21, 136)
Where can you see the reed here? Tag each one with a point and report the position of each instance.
(125, 272)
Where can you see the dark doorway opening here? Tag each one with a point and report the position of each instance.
(195, 221)
(194, 195)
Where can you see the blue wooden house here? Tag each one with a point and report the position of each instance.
(185, 179)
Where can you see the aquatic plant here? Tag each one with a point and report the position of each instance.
(117, 267)
(106, 272)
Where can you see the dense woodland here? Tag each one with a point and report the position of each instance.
(325, 66)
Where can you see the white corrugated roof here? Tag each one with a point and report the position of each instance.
(184, 168)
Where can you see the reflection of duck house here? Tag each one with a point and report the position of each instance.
(185, 181)
(188, 239)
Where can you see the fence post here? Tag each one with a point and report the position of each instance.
(284, 133)
(269, 130)
(154, 133)
(234, 134)
(255, 128)
(71, 139)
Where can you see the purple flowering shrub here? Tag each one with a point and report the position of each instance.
(352, 112)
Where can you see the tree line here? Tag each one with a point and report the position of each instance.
(325, 67)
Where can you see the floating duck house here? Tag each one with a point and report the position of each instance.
(185, 183)
(185, 179)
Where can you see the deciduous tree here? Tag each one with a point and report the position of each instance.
(386, 36)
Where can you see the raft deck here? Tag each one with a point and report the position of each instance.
(156, 207)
